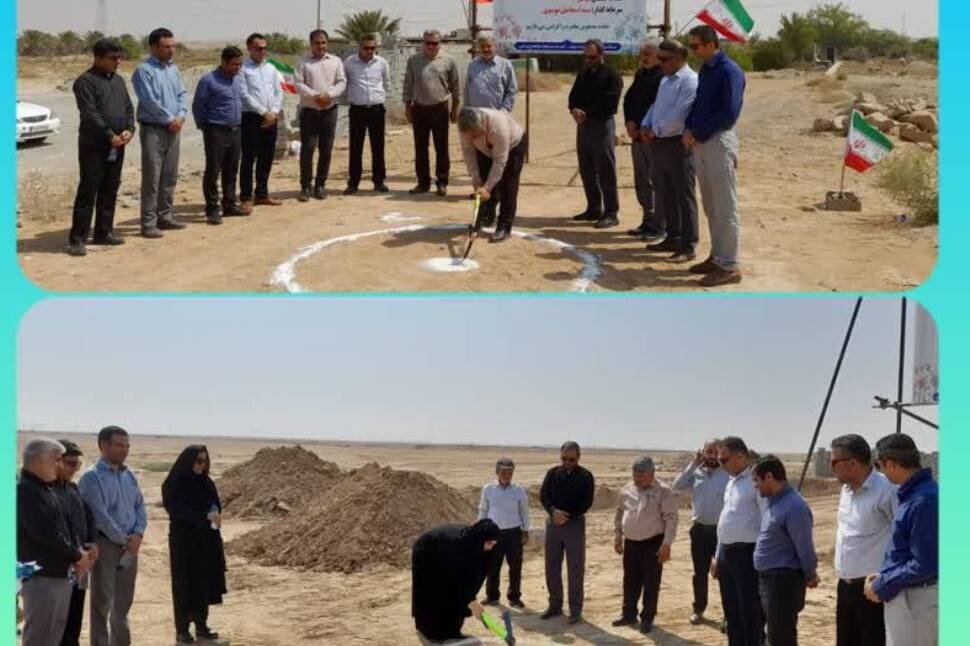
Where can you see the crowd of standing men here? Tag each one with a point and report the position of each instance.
(681, 124)
(750, 530)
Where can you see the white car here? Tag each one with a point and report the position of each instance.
(35, 122)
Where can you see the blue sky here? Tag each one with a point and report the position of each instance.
(638, 373)
(193, 19)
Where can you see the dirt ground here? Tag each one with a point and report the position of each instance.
(788, 243)
(276, 606)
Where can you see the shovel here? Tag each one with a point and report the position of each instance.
(472, 231)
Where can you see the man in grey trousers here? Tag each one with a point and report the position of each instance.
(44, 536)
(566, 495)
(162, 108)
(111, 491)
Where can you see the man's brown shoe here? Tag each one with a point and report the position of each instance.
(705, 267)
(268, 201)
(246, 206)
(720, 277)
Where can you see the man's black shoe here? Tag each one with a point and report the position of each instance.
(233, 210)
(684, 255)
(320, 193)
(214, 220)
(442, 190)
(170, 225)
(624, 621)
(381, 188)
(574, 619)
(350, 190)
(500, 235)
(639, 231)
(110, 240)
(653, 237)
(646, 627)
(77, 249)
(304, 195)
(184, 638)
(206, 633)
(606, 222)
(516, 603)
(419, 189)
(587, 217)
(667, 245)
(152, 234)
(550, 613)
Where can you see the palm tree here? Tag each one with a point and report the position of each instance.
(369, 22)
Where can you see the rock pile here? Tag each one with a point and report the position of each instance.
(913, 120)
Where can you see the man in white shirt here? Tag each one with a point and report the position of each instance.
(507, 505)
(368, 82)
(867, 506)
(262, 101)
(320, 81)
(737, 533)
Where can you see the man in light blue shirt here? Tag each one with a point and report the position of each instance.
(162, 108)
(785, 553)
(671, 163)
(262, 101)
(706, 480)
(506, 504)
(368, 82)
(111, 492)
(490, 81)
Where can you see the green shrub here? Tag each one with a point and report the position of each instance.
(740, 55)
(911, 178)
(769, 54)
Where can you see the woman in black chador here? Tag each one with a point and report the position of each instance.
(448, 566)
(194, 542)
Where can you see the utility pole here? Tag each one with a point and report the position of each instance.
(319, 14)
(665, 30)
(101, 18)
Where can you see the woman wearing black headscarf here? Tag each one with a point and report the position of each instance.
(448, 567)
(197, 558)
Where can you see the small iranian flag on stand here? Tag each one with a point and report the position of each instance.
(729, 18)
(866, 146)
(288, 74)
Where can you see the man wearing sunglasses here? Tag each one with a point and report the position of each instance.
(737, 533)
(710, 132)
(368, 83)
(566, 495)
(84, 532)
(162, 107)
(107, 126)
(593, 102)
(262, 101)
(430, 81)
(907, 580)
(867, 506)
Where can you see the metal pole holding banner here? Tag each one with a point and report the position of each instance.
(828, 395)
(528, 106)
(902, 361)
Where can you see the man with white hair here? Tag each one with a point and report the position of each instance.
(645, 525)
(44, 537)
(430, 81)
(637, 101)
(507, 505)
(490, 81)
(494, 146)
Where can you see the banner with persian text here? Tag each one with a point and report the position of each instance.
(563, 26)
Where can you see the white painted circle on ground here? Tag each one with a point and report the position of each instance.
(449, 265)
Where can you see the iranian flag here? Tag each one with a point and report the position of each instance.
(287, 75)
(728, 18)
(866, 146)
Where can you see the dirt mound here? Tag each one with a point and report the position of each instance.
(371, 516)
(603, 498)
(275, 481)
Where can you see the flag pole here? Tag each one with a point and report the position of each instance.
(842, 183)
(902, 362)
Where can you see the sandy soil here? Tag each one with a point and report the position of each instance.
(788, 243)
(275, 606)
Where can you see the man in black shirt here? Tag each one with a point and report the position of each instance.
(44, 537)
(567, 494)
(84, 532)
(593, 102)
(637, 101)
(107, 125)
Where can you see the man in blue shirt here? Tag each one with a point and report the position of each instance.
(111, 491)
(490, 81)
(162, 108)
(507, 505)
(710, 132)
(671, 163)
(217, 108)
(907, 580)
(262, 95)
(785, 553)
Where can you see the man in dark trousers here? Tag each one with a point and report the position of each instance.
(217, 108)
(644, 527)
(84, 532)
(785, 553)
(44, 537)
(107, 126)
(368, 83)
(593, 102)
(262, 97)
(637, 101)
(566, 495)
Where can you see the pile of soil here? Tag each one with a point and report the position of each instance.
(371, 516)
(274, 482)
(603, 498)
